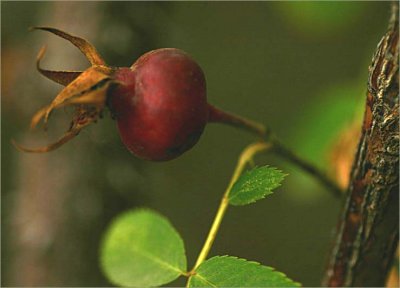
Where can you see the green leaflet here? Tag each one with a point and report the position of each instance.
(228, 271)
(254, 185)
(141, 248)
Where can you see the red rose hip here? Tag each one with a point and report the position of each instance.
(160, 104)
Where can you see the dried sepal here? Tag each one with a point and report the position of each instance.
(90, 87)
(83, 117)
(64, 139)
(88, 109)
(84, 46)
(61, 77)
(86, 91)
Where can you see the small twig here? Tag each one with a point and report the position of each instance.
(246, 157)
(290, 156)
(219, 116)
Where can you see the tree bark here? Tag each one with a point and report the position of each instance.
(368, 230)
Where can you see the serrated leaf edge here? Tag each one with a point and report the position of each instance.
(269, 192)
(242, 260)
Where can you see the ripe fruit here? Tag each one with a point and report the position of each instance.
(161, 107)
(159, 102)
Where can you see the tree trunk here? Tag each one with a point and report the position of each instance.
(368, 230)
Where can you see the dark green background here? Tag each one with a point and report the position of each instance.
(300, 67)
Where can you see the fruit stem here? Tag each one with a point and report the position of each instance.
(218, 116)
(246, 157)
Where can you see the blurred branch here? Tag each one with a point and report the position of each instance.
(280, 149)
(368, 230)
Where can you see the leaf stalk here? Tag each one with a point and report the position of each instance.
(246, 157)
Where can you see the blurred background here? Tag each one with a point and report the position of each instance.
(300, 67)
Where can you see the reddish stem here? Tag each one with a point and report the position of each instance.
(218, 116)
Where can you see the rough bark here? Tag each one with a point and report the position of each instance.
(368, 230)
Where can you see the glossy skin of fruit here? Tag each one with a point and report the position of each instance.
(160, 104)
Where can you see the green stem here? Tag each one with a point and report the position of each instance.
(246, 157)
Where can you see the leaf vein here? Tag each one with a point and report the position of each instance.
(205, 280)
(157, 260)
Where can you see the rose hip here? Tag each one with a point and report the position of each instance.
(159, 103)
